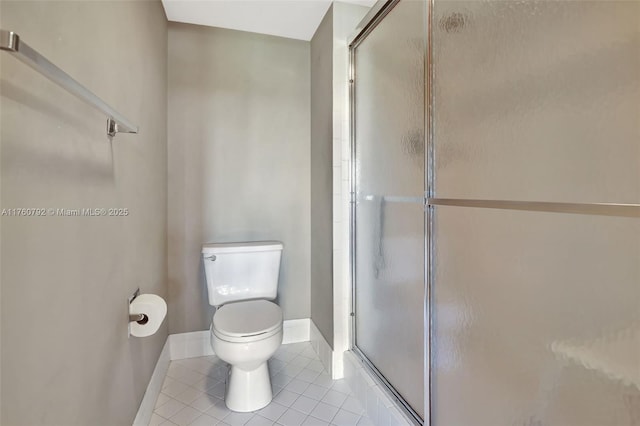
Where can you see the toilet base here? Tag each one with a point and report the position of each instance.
(248, 390)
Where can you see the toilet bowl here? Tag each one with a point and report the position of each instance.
(246, 334)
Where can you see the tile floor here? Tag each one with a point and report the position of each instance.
(304, 394)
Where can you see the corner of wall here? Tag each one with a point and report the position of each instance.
(346, 17)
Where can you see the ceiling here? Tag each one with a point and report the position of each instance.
(296, 19)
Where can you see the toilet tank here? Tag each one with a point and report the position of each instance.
(241, 271)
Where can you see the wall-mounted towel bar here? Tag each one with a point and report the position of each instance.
(11, 42)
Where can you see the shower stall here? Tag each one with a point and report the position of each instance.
(495, 219)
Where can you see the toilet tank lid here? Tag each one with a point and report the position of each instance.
(239, 247)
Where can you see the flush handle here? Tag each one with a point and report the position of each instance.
(211, 258)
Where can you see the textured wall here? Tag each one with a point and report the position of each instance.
(238, 159)
(321, 178)
(66, 358)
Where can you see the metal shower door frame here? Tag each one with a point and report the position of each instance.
(368, 24)
(431, 200)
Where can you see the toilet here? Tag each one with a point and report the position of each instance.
(246, 330)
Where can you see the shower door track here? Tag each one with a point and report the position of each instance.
(388, 386)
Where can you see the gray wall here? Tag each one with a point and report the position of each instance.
(66, 358)
(238, 159)
(321, 177)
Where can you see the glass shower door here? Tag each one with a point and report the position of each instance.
(536, 289)
(389, 255)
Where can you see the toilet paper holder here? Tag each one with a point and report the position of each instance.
(139, 318)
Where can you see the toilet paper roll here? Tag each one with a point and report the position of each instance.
(154, 307)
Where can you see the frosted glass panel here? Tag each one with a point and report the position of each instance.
(536, 316)
(389, 252)
(537, 100)
(536, 319)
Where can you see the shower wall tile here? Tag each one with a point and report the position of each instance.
(345, 19)
(337, 151)
(338, 121)
(338, 172)
(346, 172)
(337, 272)
(346, 207)
(337, 240)
(337, 208)
(378, 405)
(346, 192)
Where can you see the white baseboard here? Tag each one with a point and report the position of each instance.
(322, 348)
(190, 345)
(337, 368)
(295, 331)
(332, 360)
(153, 389)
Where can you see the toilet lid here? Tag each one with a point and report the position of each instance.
(250, 318)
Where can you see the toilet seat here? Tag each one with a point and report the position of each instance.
(247, 321)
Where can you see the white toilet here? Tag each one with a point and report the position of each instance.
(246, 330)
